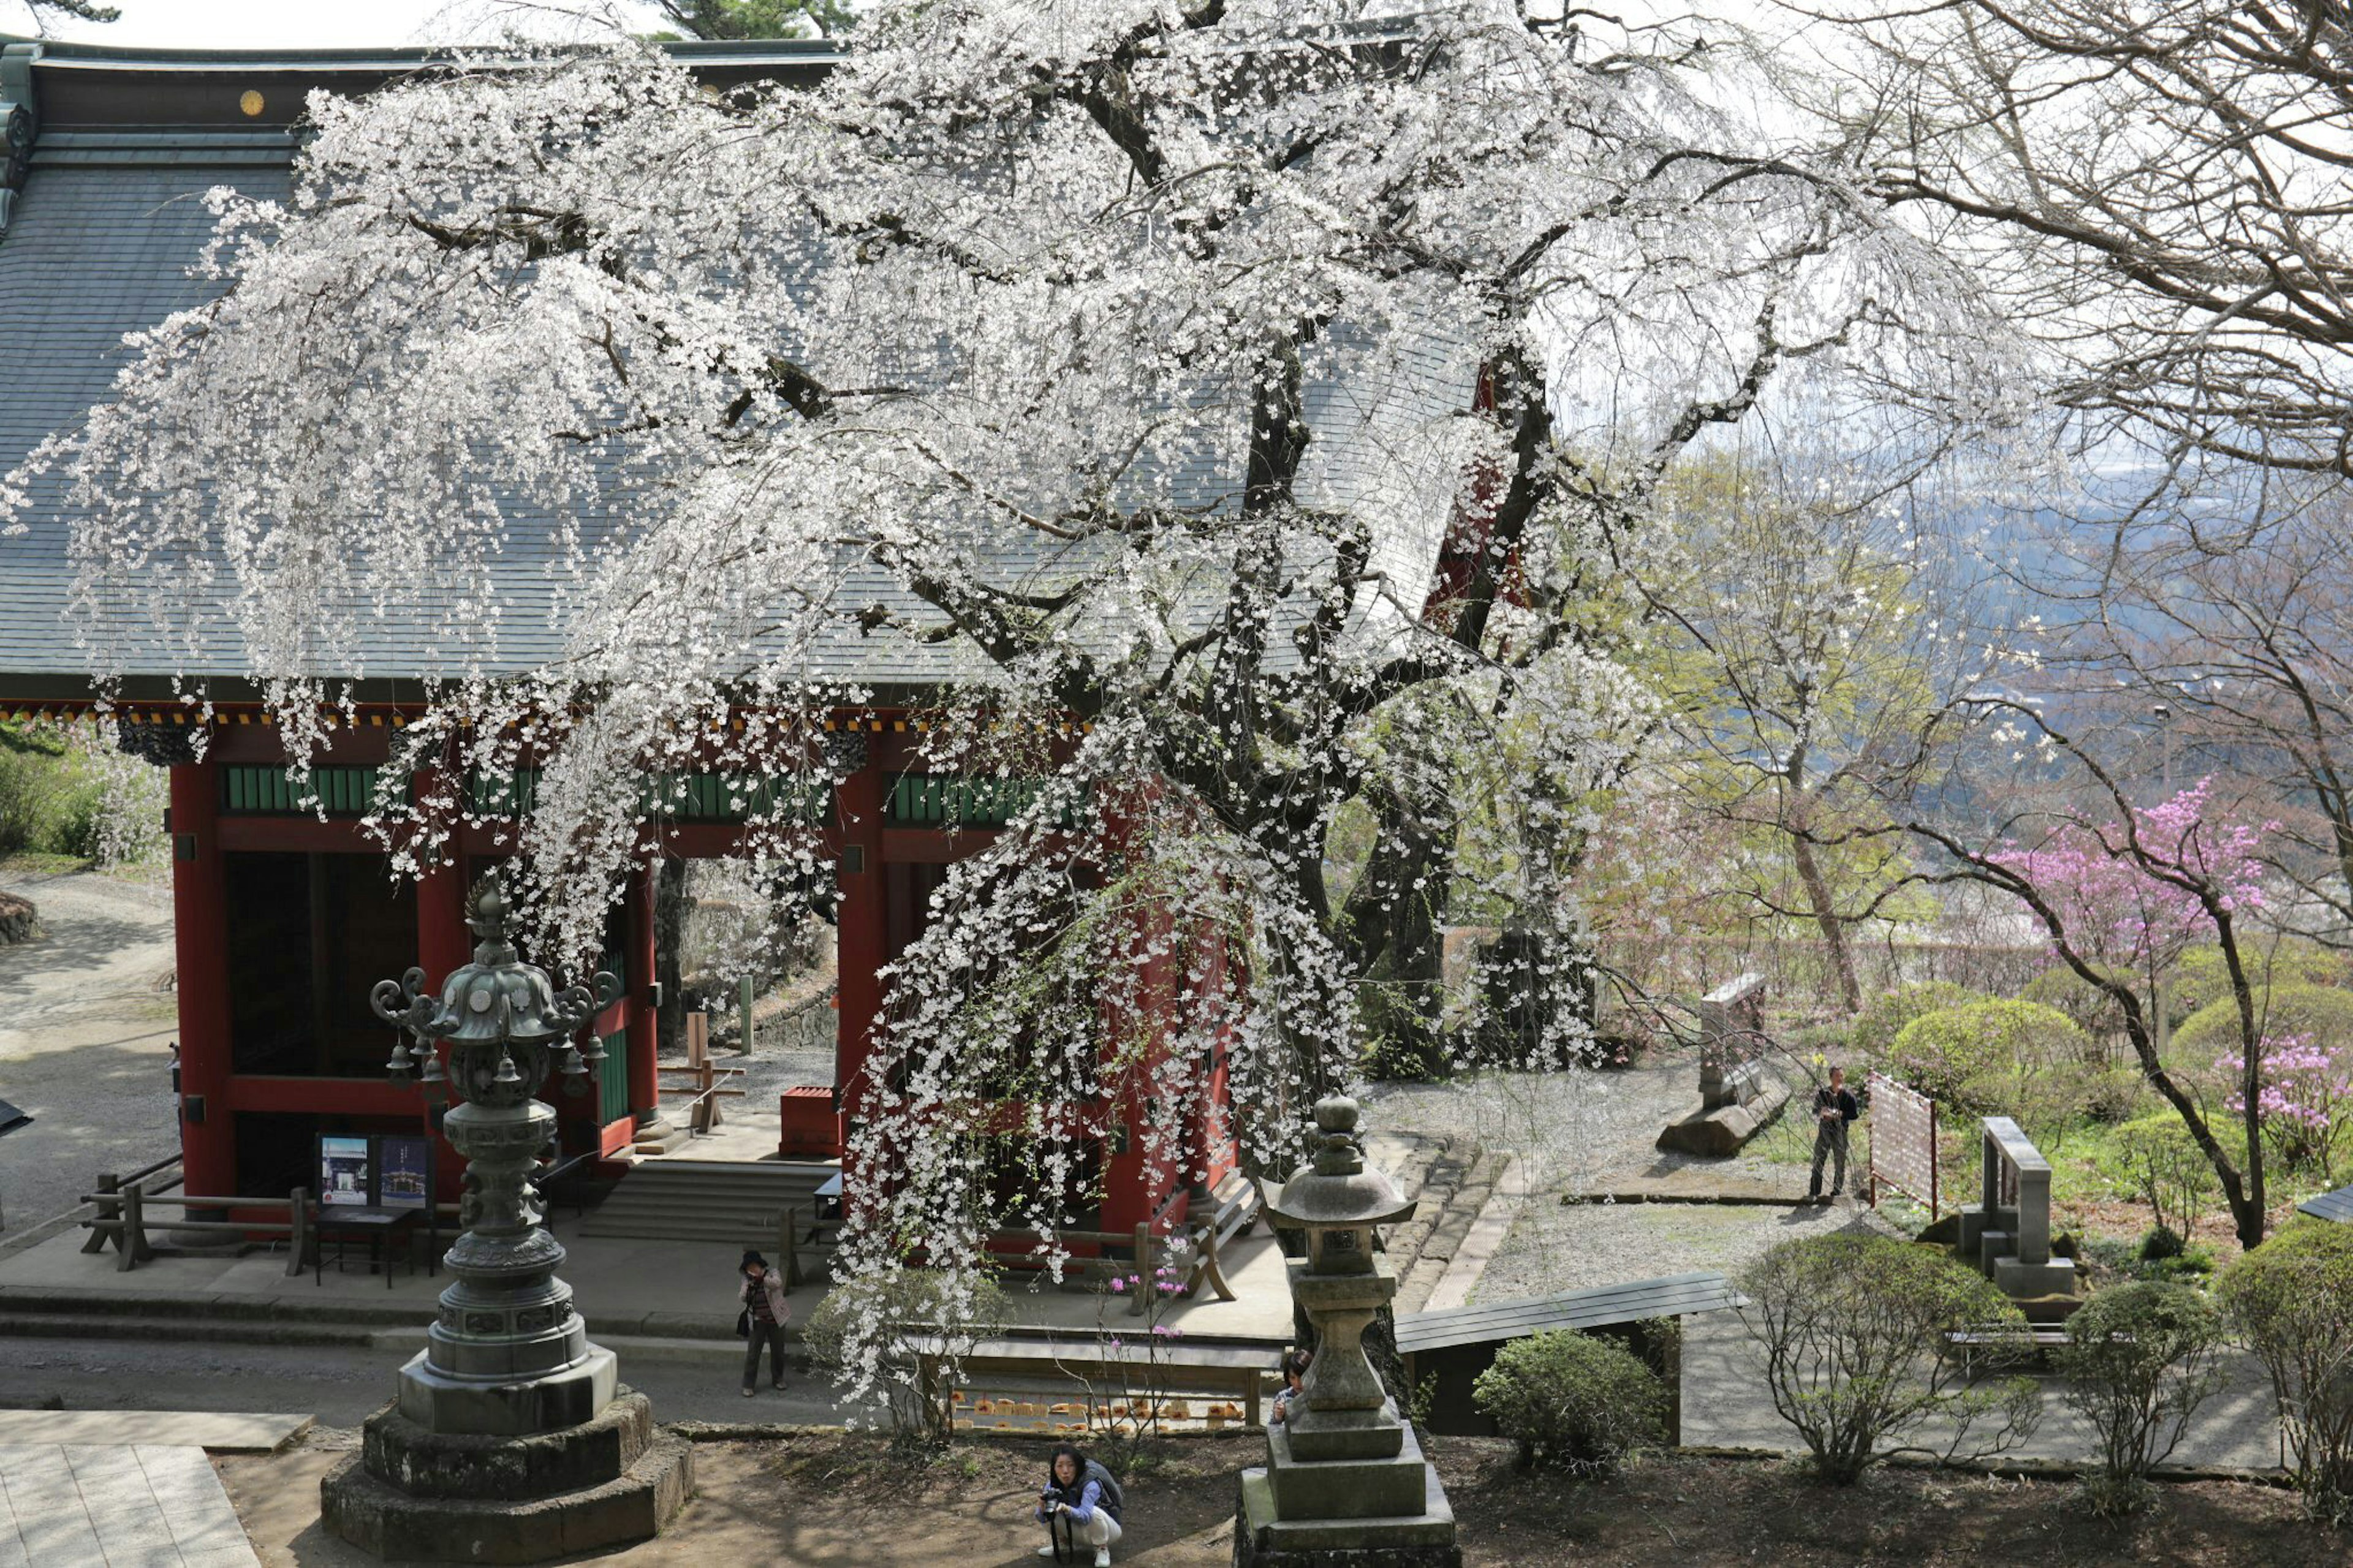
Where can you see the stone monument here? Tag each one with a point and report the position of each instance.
(510, 1439)
(1738, 1097)
(1344, 1482)
(2006, 1234)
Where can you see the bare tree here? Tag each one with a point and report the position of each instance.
(2232, 645)
(2158, 188)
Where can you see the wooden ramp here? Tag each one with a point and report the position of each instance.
(1452, 1347)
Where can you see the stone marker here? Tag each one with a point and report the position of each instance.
(1345, 1485)
(2009, 1242)
(1738, 1097)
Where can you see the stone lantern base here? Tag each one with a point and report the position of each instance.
(442, 1497)
(1379, 1507)
(1263, 1540)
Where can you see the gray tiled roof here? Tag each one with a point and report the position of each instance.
(101, 243)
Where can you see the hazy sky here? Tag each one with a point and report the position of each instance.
(312, 23)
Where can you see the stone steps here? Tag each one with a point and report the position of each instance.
(708, 1200)
(1450, 1226)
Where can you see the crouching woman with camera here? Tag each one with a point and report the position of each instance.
(1080, 1508)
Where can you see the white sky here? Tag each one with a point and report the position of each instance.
(309, 23)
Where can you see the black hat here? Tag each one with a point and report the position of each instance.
(750, 1259)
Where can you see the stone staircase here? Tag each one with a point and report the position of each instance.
(1460, 1183)
(735, 1203)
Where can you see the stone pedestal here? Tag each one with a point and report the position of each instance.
(2021, 1280)
(412, 1493)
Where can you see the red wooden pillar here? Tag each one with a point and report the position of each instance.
(200, 941)
(862, 931)
(443, 945)
(638, 962)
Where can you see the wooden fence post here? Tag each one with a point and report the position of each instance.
(133, 1247)
(1147, 1279)
(108, 1210)
(787, 1257)
(298, 1232)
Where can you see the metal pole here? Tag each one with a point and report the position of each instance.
(744, 1005)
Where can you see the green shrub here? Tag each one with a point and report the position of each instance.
(1854, 1333)
(2154, 1159)
(31, 777)
(1573, 1402)
(2139, 1361)
(2322, 1012)
(2091, 1009)
(2292, 1301)
(1979, 1058)
(2162, 1241)
(75, 823)
(1876, 1026)
(2199, 978)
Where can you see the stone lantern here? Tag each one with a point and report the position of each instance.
(1344, 1481)
(509, 1439)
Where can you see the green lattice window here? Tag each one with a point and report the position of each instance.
(684, 797)
(272, 792)
(736, 798)
(952, 800)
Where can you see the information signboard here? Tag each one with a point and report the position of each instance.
(404, 1173)
(1903, 1141)
(343, 1170)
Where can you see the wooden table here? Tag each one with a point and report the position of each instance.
(378, 1225)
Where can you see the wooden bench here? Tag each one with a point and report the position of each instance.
(2036, 1339)
(1136, 1265)
(1234, 1209)
(1178, 1371)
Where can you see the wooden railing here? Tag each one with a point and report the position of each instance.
(708, 1082)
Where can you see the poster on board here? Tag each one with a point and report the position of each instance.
(343, 1170)
(404, 1178)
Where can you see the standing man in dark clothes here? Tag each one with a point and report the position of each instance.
(1834, 1107)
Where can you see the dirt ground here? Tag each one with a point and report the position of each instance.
(825, 1500)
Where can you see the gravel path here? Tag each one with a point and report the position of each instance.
(1597, 1132)
(86, 1025)
(1590, 1131)
(1556, 1247)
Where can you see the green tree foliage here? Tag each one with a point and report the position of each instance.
(1996, 1059)
(2322, 1012)
(1573, 1402)
(727, 19)
(2155, 1159)
(1798, 670)
(2139, 1361)
(1875, 1029)
(1854, 1329)
(2292, 1301)
(2201, 978)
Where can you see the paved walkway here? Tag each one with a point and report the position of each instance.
(625, 1287)
(72, 1506)
(86, 1032)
